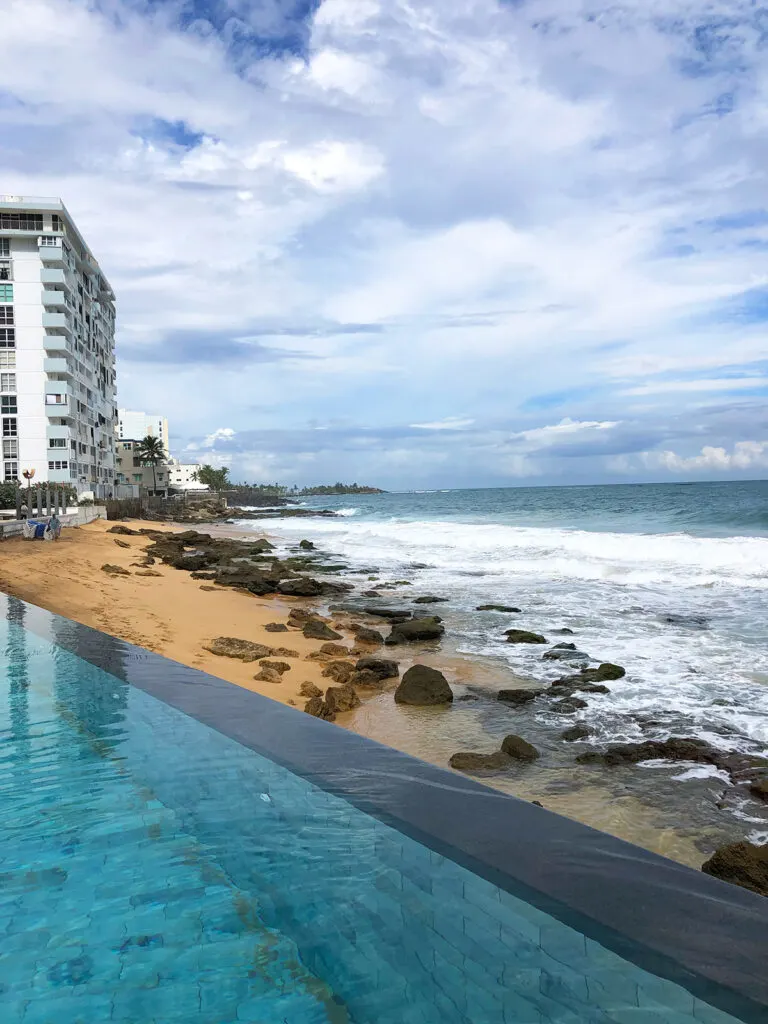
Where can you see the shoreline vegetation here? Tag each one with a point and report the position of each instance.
(349, 646)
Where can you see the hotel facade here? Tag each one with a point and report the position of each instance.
(57, 351)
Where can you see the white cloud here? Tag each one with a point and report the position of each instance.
(722, 384)
(566, 429)
(744, 455)
(449, 423)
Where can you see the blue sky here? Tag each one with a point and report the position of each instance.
(422, 243)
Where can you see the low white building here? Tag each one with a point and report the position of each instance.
(135, 426)
(132, 471)
(183, 476)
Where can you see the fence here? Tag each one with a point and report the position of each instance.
(150, 507)
(80, 516)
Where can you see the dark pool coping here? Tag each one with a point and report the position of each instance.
(699, 932)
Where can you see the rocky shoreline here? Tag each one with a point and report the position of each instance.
(365, 609)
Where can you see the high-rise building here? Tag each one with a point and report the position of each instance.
(57, 350)
(135, 426)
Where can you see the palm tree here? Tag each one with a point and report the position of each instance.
(151, 452)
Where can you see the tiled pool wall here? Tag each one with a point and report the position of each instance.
(396, 930)
(399, 932)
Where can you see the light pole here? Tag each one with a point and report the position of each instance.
(28, 474)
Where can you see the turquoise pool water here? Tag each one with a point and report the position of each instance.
(154, 870)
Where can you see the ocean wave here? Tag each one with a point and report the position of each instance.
(620, 558)
(347, 511)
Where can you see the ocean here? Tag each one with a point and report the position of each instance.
(668, 580)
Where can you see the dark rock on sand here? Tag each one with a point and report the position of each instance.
(298, 616)
(468, 761)
(382, 668)
(303, 586)
(317, 630)
(341, 698)
(278, 666)
(422, 685)
(306, 545)
(268, 675)
(523, 636)
(430, 599)
(114, 570)
(394, 614)
(334, 650)
(743, 864)
(147, 572)
(519, 749)
(124, 531)
(576, 732)
(318, 708)
(414, 630)
(339, 671)
(568, 705)
(674, 749)
(308, 689)
(367, 636)
(276, 627)
(122, 543)
(496, 608)
(244, 650)
(520, 696)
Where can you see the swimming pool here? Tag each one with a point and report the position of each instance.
(175, 848)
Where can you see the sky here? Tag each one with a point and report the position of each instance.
(417, 243)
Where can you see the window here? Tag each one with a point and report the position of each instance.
(55, 399)
(6, 270)
(8, 404)
(7, 359)
(6, 293)
(11, 449)
(7, 381)
(137, 478)
(55, 222)
(5, 247)
(9, 427)
(7, 337)
(10, 470)
(21, 221)
(58, 464)
(57, 442)
(6, 315)
(49, 240)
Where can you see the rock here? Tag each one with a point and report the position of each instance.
(285, 652)
(278, 666)
(537, 803)
(523, 636)
(416, 629)
(368, 636)
(114, 570)
(603, 672)
(306, 545)
(395, 614)
(122, 543)
(565, 652)
(261, 545)
(268, 675)
(191, 561)
(124, 531)
(380, 668)
(244, 650)
(674, 749)
(341, 698)
(335, 650)
(147, 572)
(204, 575)
(276, 627)
(298, 616)
(303, 586)
(317, 630)
(211, 590)
(576, 732)
(371, 593)
(308, 689)
(317, 707)
(563, 632)
(497, 608)
(519, 749)
(759, 788)
(422, 685)
(568, 705)
(743, 864)
(339, 671)
(467, 761)
(520, 696)
(690, 621)
(430, 599)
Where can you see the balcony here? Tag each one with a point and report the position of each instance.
(53, 298)
(59, 410)
(57, 366)
(56, 343)
(52, 275)
(51, 253)
(58, 431)
(57, 321)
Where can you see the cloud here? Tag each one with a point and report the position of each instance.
(745, 455)
(361, 216)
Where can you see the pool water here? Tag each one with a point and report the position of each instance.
(154, 870)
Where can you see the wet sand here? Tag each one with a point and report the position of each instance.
(175, 615)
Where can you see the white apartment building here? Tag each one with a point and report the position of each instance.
(135, 426)
(182, 476)
(57, 350)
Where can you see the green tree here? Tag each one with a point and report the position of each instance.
(216, 479)
(151, 453)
